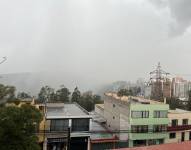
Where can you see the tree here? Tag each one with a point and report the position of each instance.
(63, 94)
(76, 95)
(46, 93)
(6, 93)
(124, 92)
(87, 101)
(189, 101)
(18, 127)
(23, 95)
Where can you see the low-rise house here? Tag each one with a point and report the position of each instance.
(65, 125)
(179, 126)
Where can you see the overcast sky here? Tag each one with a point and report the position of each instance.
(104, 40)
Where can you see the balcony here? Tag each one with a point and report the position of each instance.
(179, 128)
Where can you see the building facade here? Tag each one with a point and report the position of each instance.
(179, 127)
(64, 126)
(140, 121)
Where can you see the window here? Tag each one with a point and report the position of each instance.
(184, 121)
(174, 122)
(113, 105)
(80, 124)
(140, 114)
(59, 125)
(113, 117)
(159, 128)
(160, 114)
(139, 129)
(172, 135)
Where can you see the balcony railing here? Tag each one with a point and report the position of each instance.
(179, 128)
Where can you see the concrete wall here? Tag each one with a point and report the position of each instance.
(178, 137)
(179, 117)
(99, 110)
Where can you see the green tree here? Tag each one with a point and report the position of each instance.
(189, 101)
(6, 93)
(88, 101)
(46, 93)
(18, 127)
(76, 95)
(125, 92)
(23, 95)
(63, 94)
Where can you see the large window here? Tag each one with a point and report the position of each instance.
(139, 128)
(59, 125)
(80, 124)
(160, 114)
(174, 122)
(184, 121)
(159, 128)
(140, 114)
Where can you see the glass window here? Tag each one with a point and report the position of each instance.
(80, 124)
(139, 128)
(174, 122)
(172, 135)
(160, 114)
(159, 128)
(59, 125)
(140, 114)
(184, 121)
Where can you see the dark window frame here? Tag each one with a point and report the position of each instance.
(172, 135)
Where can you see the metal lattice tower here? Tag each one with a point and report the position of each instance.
(159, 75)
(160, 83)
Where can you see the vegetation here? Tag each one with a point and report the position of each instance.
(23, 95)
(62, 95)
(17, 128)
(6, 93)
(76, 95)
(87, 101)
(132, 91)
(189, 101)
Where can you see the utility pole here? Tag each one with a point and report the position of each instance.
(68, 138)
(45, 115)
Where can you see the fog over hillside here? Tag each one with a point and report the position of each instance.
(32, 82)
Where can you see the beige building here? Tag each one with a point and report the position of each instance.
(179, 126)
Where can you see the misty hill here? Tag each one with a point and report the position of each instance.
(32, 82)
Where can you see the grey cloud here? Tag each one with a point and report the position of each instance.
(180, 11)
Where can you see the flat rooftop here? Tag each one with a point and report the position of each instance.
(65, 111)
(132, 99)
(178, 111)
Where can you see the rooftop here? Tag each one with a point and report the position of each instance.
(178, 111)
(61, 111)
(171, 146)
(132, 99)
(100, 106)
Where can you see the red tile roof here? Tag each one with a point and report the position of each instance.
(171, 146)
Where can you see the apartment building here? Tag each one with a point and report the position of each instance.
(143, 121)
(179, 127)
